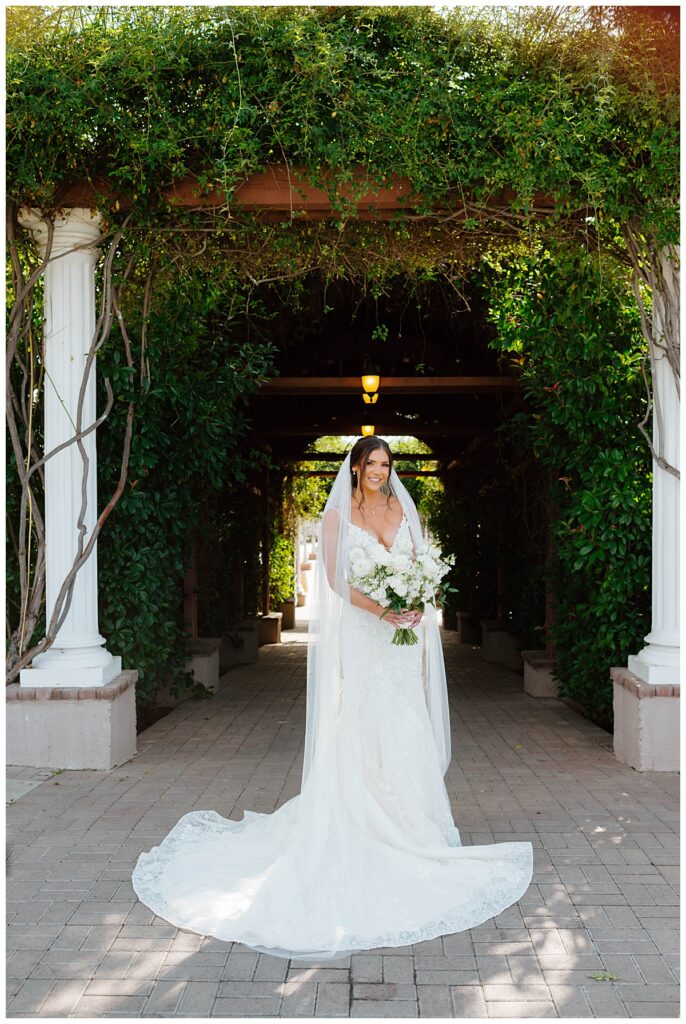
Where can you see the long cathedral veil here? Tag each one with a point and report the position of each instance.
(326, 686)
(367, 855)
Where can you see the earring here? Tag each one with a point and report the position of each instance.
(354, 478)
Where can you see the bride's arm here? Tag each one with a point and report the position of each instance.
(331, 527)
(361, 600)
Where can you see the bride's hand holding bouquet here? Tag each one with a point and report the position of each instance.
(400, 583)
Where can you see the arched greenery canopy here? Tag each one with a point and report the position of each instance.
(579, 104)
(575, 105)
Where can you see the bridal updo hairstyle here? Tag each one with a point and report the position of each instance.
(359, 456)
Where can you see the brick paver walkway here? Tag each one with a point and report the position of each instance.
(603, 903)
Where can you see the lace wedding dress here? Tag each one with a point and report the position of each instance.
(367, 854)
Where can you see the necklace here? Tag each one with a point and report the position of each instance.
(372, 510)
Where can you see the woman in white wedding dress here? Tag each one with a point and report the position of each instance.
(367, 854)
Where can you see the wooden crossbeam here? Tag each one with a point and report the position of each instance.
(401, 472)
(347, 428)
(339, 456)
(279, 188)
(394, 385)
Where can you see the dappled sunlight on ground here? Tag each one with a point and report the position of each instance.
(595, 935)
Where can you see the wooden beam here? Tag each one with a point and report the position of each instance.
(339, 456)
(332, 473)
(285, 190)
(346, 428)
(394, 385)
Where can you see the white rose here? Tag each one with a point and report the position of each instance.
(397, 583)
(400, 563)
(356, 554)
(382, 557)
(362, 567)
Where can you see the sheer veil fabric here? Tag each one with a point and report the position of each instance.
(367, 854)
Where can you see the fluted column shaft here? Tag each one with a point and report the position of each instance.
(658, 661)
(77, 657)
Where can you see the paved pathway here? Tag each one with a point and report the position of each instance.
(602, 905)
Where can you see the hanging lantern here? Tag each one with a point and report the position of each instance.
(370, 384)
(367, 431)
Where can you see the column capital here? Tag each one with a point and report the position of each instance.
(76, 228)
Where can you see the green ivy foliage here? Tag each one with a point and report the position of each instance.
(190, 443)
(573, 333)
(460, 102)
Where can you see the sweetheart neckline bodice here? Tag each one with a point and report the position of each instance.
(376, 539)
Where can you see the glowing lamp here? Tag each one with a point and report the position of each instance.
(370, 383)
(367, 431)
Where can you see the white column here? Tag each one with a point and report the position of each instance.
(658, 661)
(77, 658)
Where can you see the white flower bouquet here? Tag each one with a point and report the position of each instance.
(397, 581)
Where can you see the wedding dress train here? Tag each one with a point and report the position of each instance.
(367, 855)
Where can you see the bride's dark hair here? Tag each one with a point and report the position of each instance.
(359, 456)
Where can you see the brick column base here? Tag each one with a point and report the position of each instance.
(70, 727)
(646, 730)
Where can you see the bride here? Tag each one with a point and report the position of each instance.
(367, 854)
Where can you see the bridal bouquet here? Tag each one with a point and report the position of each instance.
(397, 581)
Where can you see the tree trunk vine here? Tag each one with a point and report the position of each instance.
(655, 269)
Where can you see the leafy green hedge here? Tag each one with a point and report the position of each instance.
(574, 334)
(569, 451)
(483, 519)
(582, 108)
(190, 443)
(281, 571)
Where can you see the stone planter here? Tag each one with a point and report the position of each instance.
(288, 614)
(203, 664)
(538, 674)
(269, 629)
(498, 645)
(467, 629)
(239, 644)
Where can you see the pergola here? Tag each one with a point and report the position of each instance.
(74, 702)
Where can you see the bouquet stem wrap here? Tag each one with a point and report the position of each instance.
(405, 638)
